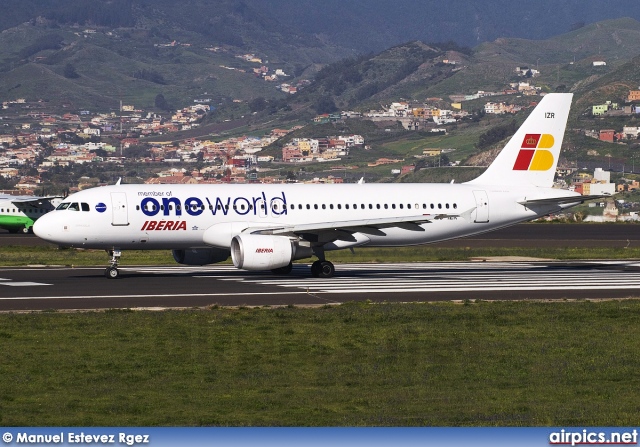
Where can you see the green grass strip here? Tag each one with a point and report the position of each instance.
(444, 364)
(21, 256)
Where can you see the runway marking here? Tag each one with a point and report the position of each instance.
(167, 295)
(453, 277)
(21, 283)
(437, 277)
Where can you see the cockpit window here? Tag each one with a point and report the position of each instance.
(74, 207)
(85, 206)
(63, 206)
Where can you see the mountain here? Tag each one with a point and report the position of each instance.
(94, 54)
(372, 25)
(360, 26)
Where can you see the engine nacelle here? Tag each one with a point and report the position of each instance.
(261, 252)
(200, 256)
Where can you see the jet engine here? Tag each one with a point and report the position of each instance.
(261, 252)
(200, 256)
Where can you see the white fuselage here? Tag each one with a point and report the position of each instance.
(177, 216)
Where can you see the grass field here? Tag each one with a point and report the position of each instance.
(480, 364)
(566, 363)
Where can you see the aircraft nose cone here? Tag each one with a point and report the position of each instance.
(41, 226)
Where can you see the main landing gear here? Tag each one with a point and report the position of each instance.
(319, 269)
(322, 269)
(112, 272)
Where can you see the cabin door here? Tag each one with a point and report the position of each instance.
(482, 207)
(119, 209)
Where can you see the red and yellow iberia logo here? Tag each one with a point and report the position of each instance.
(533, 156)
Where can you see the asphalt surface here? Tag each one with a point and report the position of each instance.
(185, 287)
(23, 289)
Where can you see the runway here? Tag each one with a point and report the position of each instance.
(186, 287)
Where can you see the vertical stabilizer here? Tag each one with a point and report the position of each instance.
(531, 155)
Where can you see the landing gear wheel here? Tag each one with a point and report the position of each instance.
(283, 270)
(25, 230)
(111, 272)
(322, 269)
(327, 270)
(315, 269)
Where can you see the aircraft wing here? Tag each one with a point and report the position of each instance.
(33, 201)
(362, 225)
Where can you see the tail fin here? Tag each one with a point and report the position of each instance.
(531, 155)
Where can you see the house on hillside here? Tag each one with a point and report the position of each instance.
(634, 95)
(607, 135)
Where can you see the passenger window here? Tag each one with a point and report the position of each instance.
(455, 206)
(315, 207)
(308, 206)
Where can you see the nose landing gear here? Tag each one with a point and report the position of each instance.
(112, 272)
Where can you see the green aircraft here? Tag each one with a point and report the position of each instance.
(18, 213)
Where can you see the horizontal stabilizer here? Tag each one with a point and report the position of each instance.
(561, 200)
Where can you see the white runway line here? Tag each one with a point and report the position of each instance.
(442, 277)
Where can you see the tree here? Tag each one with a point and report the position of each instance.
(325, 104)
(162, 103)
(258, 104)
(70, 72)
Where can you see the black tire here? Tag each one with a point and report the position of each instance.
(315, 269)
(327, 270)
(25, 230)
(111, 272)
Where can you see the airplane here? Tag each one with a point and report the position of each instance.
(18, 213)
(268, 226)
